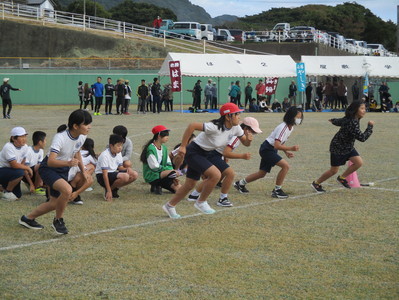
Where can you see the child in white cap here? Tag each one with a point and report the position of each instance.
(12, 164)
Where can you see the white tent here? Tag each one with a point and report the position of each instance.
(231, 65)
(352, 66)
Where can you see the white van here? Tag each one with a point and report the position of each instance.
(207, 32)
(190, 30)
(361, 48)
(377, 49)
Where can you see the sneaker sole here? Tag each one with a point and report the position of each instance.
(224, 205)
(207, 212)
(279, 197)
(318, 192)
(191, 200)
(28, 226)
(76, 203)
(238, 189)
(59, 233)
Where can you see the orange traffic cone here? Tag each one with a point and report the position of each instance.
(352, 179)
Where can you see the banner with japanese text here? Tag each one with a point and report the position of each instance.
(175, 75)
(271, 85)
(301, 76)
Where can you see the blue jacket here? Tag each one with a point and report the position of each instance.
(98, 89)
(235, 90)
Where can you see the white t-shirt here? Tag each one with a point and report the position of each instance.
(10, 153)
(34, 157)
(108, 161)
(212, 138)
(65, 145)
(281, 133)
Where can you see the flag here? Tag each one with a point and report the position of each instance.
(366, 85)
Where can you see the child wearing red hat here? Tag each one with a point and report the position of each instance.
(215, 134)
(157, 166)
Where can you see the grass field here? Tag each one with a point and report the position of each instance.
(340, 245)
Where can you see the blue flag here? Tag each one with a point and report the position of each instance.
(366, 85)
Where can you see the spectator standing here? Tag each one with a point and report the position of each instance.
(260, 90)
(87, 96)
(308, 92)
(109, 96)
(149, 98)
(319, 91)
(197, 95)
(142, 93)
(128, 96)
(156, 95)
(80, 93)
(98, 89)
(229, 90)
(335, 95)
(328, 92)
(248, 94)
(120, 91)
(234, 92)
(355, 91)
(208, 93)
(384, 91)
(5, 96)
(214, 90)
(157, 24)
(342, 92)
(292, 93)
(166, 94)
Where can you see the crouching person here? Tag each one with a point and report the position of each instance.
(110, 173)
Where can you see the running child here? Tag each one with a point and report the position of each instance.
(269, 153)
(110, 173)
(215, 134)
(342, 145)
(219, 158)
(64, 153)
(75, 177)
(157, 166)
(12, 164)
(34, 157)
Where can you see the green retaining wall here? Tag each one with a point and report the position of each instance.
(59, 87)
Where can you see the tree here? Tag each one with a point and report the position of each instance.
(92, 8)
(140, 13)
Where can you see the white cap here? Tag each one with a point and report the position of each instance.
(6, 79)
(18, 131)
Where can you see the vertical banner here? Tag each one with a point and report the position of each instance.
(301, 77)
(271, 85)
(175, 75)
(366, 85)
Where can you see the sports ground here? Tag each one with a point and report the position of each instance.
(339, 245)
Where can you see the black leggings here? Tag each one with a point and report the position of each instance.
(5, 103)
(108, 104)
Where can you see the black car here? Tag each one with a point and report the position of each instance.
(302, 34)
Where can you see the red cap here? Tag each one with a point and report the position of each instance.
(159, 128)
(229, 108)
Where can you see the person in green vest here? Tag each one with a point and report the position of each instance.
(157, 166)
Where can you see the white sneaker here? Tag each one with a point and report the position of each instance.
(9, 196)
(204, 207)
(171, 211)
(89, 189)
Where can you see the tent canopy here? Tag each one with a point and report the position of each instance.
(231, 65)
(352, 66)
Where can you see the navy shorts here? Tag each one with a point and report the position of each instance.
(166, 183)
(50, 175)
(217, 160)
(9, 174)
(33, 176)
(337, 160)
(112, 176)
(269, 157)
(197, 161)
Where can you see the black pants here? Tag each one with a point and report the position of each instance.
(141, 106)
(99, 102)
(87, 102)
(149, 103)
(7, 102)
(108, 104)
(119, 103)
(81, 101)
(197, 102)
(214, 103)
(156, 101)
(248, 99)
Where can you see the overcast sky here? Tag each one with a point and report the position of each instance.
(385, 9)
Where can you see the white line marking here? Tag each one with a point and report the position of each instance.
(154, 222)
(381, 189)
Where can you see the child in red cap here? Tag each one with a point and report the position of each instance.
(215, 134)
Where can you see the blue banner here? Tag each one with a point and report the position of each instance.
(366, 85)
(301, 76)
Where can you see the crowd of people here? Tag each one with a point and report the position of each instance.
(150, 97)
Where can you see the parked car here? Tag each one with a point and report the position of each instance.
(238, 34)
(350, 45)
(361, 48)
(280, 32)
(190, 30)
(377, 49)
(207, 32)
(302, 34)
(224, 35)
(336, 40)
